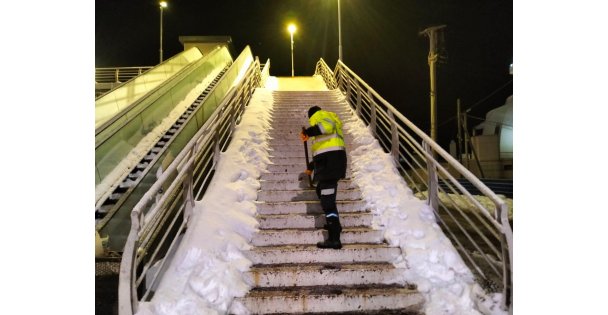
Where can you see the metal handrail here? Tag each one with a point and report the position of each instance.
(488, 235)
(118, 74)
(161, 216)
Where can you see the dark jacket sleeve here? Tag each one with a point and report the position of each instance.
(313, 131)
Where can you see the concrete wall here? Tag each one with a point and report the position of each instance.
(207, 43)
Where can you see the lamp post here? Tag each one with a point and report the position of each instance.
(291, 28)
(339, 33)
(163, 4)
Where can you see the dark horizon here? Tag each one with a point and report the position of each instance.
(381, 43)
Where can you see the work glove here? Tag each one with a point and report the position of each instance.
(303, 136)
(308, 172)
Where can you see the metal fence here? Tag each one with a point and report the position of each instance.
(163, 212)
(480, 231)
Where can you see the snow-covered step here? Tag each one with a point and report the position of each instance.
(299, 153)
(298, 185)
(312, 236)
(300, 195)
(291, 106)
(296, 150)
(293, 176)
(325, 299)
(295, 221)
(292, 129)
(290, 168)
(296, 159)
(296, 123)
(308, 207)
(297, 144)
(323, 274)
(303, 111)
(285, 105)
(298, 254)
(278, 138)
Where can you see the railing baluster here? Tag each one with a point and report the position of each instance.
(359, 92)
(348, 91)
(189, 187)
(432, 178)
(372, 105)
(394, 137)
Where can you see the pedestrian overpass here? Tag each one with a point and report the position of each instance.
(160, 136)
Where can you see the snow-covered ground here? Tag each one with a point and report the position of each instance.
(206, 273)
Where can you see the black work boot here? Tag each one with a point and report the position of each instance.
(333, 230)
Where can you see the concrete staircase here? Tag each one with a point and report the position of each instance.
(290, 275)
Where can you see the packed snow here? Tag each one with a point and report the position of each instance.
(206, 273)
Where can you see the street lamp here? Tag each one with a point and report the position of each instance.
(163, 4)
(292, 29)
(339, 33)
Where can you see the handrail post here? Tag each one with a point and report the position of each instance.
(506, 243)
(216, 139)
(394, 137)
(372, 106)
(116, 76)
(359, 91)
(348, 92)
(340, 78)
(188, 187)
(432, 180)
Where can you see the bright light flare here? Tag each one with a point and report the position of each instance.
(163, 4)
(291, 28)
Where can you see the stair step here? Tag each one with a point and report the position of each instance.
(279, 140)
(296, 160)
(301, 195)
(301, 221)
(290, 275)
(278, 237)
(298, 185)
(290, 168)
(291, 176)
(293, 254)
(308, 207)
(264, 276)
(326, 299)
(296, 151)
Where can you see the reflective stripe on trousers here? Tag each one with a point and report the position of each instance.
(326, 191)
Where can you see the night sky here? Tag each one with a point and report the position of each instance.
(380, 43)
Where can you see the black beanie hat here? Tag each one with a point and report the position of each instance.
(313, 110)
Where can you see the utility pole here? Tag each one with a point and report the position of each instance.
(466, 138)
(459, 136)
(432, 34)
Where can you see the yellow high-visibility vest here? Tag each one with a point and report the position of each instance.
(331, 138)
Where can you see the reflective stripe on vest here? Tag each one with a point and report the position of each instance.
(328, 150)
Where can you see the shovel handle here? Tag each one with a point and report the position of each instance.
(306, 155)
